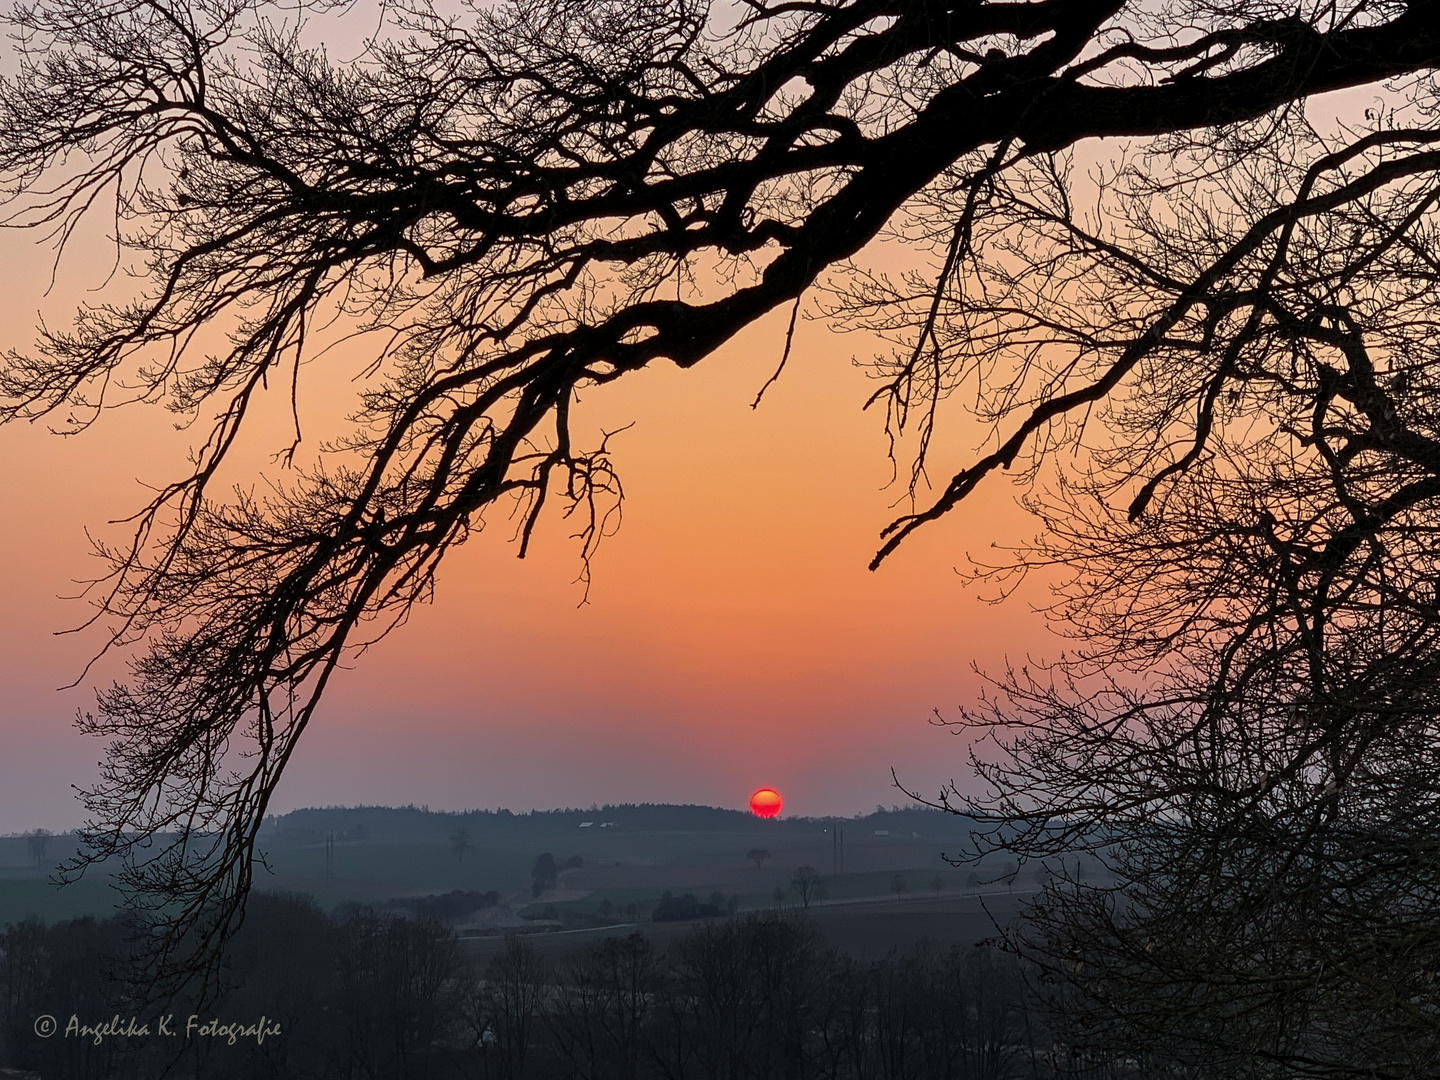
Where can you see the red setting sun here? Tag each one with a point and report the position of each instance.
(766, 802)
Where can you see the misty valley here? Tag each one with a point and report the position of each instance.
(628, 941)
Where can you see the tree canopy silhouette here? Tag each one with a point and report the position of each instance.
(514, 202)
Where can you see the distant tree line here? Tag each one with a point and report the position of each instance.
(672, 908)
(370, 995)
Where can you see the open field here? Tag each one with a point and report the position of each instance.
(892, 864)
(866, 930)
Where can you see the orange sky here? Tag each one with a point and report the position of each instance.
(733, 636)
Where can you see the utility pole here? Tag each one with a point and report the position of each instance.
(329, 854)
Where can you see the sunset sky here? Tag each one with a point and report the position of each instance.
(733, 635)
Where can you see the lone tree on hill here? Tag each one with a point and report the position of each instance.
(758, 855)
(543, 874)
(807, 885)
(898, 885)
(38, 844)
(1208, 356)
(460, 844)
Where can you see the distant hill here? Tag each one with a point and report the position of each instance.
(419, 823)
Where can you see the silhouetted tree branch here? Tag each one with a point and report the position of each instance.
(515, 202)
(1246, 729)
